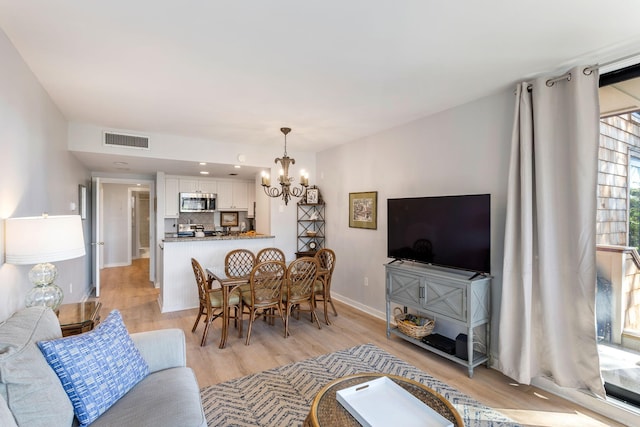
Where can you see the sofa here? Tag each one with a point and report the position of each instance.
(35, 392)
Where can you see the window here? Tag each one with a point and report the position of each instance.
(634, 198)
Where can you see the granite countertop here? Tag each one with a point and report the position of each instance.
(214, 238)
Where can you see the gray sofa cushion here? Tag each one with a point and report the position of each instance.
(6, 417)
(28, 385)
(164, 398)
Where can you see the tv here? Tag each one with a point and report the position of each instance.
(447, 231)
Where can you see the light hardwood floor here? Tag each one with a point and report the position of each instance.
(129, 290)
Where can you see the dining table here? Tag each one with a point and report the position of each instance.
(228, 285)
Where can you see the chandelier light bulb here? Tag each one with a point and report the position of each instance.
(265, 179)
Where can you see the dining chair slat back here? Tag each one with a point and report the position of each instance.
(265, 295)
(270, 254)
(327, 261)
(300, 281)
(238, 263)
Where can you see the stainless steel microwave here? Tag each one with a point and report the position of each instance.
(197, 202)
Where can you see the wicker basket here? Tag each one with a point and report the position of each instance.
(409, 329)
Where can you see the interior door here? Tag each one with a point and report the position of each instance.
(96, 233)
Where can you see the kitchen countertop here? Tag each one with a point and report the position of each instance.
(214, 238)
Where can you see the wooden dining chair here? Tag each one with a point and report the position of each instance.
(238, 263)
(265, 293)
(270, 254)
(299, 284)
(322, 289)
(211, 301)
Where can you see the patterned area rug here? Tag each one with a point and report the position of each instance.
(282, 396)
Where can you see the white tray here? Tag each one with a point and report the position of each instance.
(382, 402)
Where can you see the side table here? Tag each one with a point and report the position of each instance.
(327, 411)
(79, 317)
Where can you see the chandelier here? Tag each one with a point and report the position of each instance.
(286, 189)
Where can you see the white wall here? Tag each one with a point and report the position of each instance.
(464, 150)
(37, 173)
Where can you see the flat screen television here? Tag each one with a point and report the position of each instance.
(448, 231)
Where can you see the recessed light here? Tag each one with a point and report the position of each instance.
(203, 163)
(204, 173)
(233, 174)
(237, 166)
(120, 163)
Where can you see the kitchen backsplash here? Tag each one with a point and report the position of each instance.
(210, 220)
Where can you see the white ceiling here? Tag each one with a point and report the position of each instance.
(334, 71)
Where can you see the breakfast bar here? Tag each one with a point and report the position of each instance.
(178, 290)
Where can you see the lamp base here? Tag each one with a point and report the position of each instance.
(45, 292)
(49, 295)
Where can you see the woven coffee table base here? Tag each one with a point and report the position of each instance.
(327, 411)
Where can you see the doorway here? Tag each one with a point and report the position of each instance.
(140, 214)
(123, 225)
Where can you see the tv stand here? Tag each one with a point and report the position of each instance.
(447, 296)
(477, 275)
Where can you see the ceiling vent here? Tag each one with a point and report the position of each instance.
(127, 141)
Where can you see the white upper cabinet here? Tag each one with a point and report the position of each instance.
(208, 186)
(233, 195)
(171, 198)
(225, 195)
(194, 185)
(251, 199)
(240, 200)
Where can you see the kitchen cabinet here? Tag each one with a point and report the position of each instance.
(192, 185)
(240, 199)
(171, 198)
(448, 297)
(233, 195)
(225, 195)
(251, 200)
(208, 186)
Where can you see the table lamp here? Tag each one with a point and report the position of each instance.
(42, 240)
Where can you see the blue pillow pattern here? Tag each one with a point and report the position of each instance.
(96, 368)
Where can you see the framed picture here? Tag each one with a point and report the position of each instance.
(228, 219)
(312, 195)
(82, 201)
(363, 210)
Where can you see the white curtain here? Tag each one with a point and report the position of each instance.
(547, 316)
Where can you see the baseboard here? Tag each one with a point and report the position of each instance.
(117, 264)
(358, 306)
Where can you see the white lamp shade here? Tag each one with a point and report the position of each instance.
(34, 240)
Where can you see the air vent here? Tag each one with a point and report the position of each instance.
(126, 141)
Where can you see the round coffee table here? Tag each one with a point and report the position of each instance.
(327, 411)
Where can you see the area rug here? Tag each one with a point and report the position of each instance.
(282, 396)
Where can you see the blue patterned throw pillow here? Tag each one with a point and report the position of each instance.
(96, 368)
